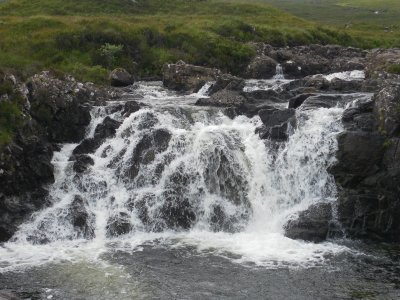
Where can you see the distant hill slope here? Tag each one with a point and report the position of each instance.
(358, 14)
(88, 38)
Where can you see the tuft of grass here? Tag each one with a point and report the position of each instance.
(395, 69)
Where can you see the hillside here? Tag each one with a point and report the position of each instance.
(88, 38)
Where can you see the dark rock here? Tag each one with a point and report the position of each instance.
(262, 67)
(89, 145)
(147, 148)
(264, 95)
(227, 82)
(177, 212)
(62, 107)
(347, 86)
(120, 77)
(359, 155)
(223, 98)
(317, 81)
(276, 123)
(118, 225)
(131, 107)
(298, 100)
(81, 218)
(324, 101)
(106, 129)
(82, 163)
(184, 77)
(312, 224)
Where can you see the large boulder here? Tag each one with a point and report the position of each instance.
(368, 168)
(312, 224)
(184, 77)
(62, 107)
(120, 77)
(227, 82)
(262, 67)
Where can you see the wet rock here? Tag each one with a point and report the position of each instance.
(276, 123)
(118, 225)
(89, 145)
(302, 61)
(177, 211)
(325, 101)
(264, 95)
(359, 154)
(223, 98)
(298, 100)
(347, 86)
(227, 82)
(120, 77)
(262, 67)
(147, 149)
(81, 218)
(107, 128)
(317, 81)
(131, 107)
(82, 163)
(312, 224)
(184, 77)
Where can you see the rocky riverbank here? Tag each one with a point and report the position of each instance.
(57, 110)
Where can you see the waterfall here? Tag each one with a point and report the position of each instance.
(187, 174)
(279, 72)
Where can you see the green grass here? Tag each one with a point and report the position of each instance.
(70, 36)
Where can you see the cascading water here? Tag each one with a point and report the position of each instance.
(279, 72)
(176, 174)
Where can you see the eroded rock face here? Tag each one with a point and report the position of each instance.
(62, 107)
(188, 78)
(312, 224)
(367, 170)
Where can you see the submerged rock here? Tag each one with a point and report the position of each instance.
(106, 129)
(312, 224)
(118, 225)
(81, 218)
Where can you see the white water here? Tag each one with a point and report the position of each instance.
(279, 72)
(211, 163)
(347, 76)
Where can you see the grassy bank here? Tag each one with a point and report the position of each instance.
(88, 38)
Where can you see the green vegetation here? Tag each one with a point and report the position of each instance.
(10, 111)
(87, 38)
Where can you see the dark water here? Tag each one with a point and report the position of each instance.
(183, 273)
